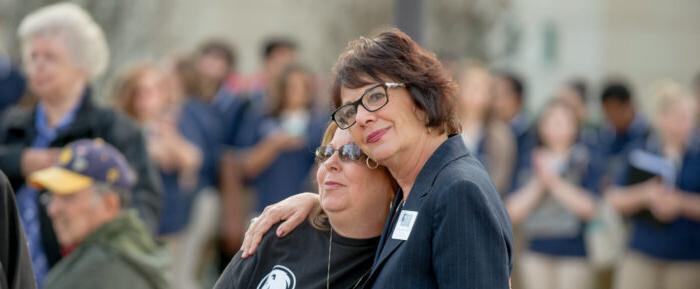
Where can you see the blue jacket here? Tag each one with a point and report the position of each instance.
(461, 236)
(12, 84)
(677, 240)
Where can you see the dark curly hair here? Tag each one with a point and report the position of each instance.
(393, 54)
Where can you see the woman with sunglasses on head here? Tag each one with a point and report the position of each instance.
(448, 227)
(335, 247)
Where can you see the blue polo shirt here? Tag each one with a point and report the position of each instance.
(206, 131)
(680, 239)
(525, 140)
(615, 143)
(200, 124)
(611, 147)
(12, 84)
(234, 111)
(481, 153)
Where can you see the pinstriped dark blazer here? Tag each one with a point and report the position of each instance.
(461, 237)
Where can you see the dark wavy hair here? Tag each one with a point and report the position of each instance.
(393, 54)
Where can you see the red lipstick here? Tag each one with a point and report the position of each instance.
(376, 135)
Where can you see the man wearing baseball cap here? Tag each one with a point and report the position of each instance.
(86, 195)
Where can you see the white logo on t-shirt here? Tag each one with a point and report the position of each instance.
(279, 278)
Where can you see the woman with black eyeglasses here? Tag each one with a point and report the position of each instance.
(448, 227)
(335, 247)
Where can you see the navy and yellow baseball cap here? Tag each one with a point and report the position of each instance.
(83, 163)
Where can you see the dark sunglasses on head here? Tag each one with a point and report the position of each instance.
(347, 152)
(373, 99)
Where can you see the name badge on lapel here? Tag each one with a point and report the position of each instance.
(404, 225)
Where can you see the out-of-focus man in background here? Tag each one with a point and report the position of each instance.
(110, 246)
(509, 107)
(624, 125)
(277, 54)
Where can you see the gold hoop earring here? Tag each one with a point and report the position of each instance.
(376, 164)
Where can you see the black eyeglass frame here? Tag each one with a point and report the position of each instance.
(359, 101)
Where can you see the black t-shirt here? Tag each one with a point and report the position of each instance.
(300, 261)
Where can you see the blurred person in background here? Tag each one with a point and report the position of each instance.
(509, 103)
(63, 51)
(143, 95)
(177, 144)
(664, 201)
(110, 246)
(575, 93)
(15, 265)
(214, 64)
(222, 124)
(623, 125)
(279, 162)
(277, 54)
(202, 78)
(490, 139)
(12, 84)
(207, 74)
(509, 106)
(555, 199)
(189, 86)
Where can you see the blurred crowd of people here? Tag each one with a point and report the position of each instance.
(210, 148)
(585, 197)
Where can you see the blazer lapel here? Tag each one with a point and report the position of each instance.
(414, 202)
(452, 149)
(387, 224)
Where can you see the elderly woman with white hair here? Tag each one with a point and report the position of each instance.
(63, 51)
(660, 191)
